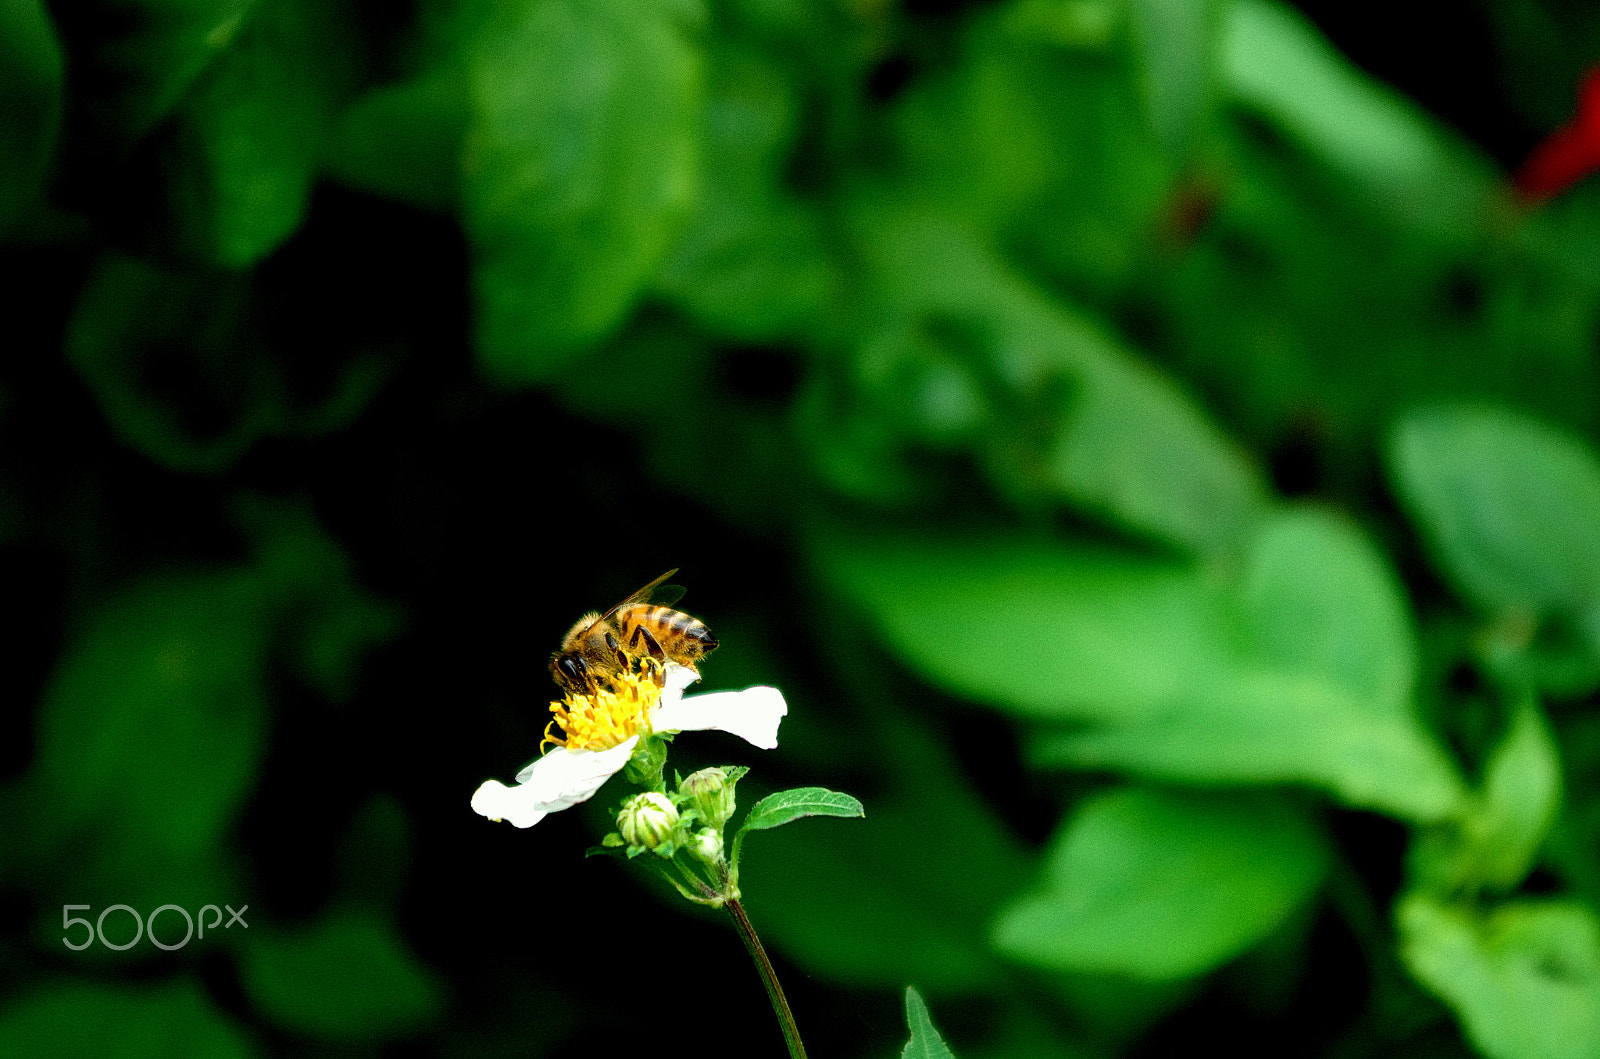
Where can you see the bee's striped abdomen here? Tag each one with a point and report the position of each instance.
(683, 638)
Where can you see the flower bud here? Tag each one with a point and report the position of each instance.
(711, 795)
(648, 820)
(707, 846)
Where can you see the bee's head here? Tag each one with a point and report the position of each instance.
(570, 671)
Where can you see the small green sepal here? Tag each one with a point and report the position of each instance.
(648, 763)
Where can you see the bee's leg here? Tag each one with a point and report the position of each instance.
(641, 636)
(617, 651)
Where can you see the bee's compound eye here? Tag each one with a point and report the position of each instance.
(574, 669)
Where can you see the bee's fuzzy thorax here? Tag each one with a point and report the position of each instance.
(579, 627)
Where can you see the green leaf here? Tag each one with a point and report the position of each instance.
(1175, 42)
(144, 58)
(254, 131)
(153, 724)
(331, 619)
(1319, 599)
(751, 262)
(1523, 978)
(1318, 691)
(1382, 316)
(1108, 637)
(1510, 508)
(1276, 63)
(1039, 136)
(181, 369)
(1301, 672)
(1494, 841)
(31, 74)
(775, 810)
(752, 269)
(348, 978)
(925, 1042)
(1264, 727)
(172, 362)
(784, 807)
(1162, 887)
(404, 140)
(120, 1022)
(581, 161)
(1521, 795)
(1136, 448)
(1067, 25)
(1080, 418)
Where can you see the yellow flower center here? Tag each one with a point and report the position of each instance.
(616, 712)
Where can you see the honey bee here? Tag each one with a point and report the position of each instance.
(599, 646)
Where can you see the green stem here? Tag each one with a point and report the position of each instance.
(769, 978)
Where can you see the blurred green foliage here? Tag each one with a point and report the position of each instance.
(1149, 441)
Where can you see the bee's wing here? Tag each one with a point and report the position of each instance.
(654, 592)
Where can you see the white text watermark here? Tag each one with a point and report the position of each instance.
(144, 927)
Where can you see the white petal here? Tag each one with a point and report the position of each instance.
(677, 678)
(559, 780)
(752, 714)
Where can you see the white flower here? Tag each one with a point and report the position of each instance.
(752, 714)
(559, 780)
(589, 754)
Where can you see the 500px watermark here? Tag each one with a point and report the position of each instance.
(143, 927)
